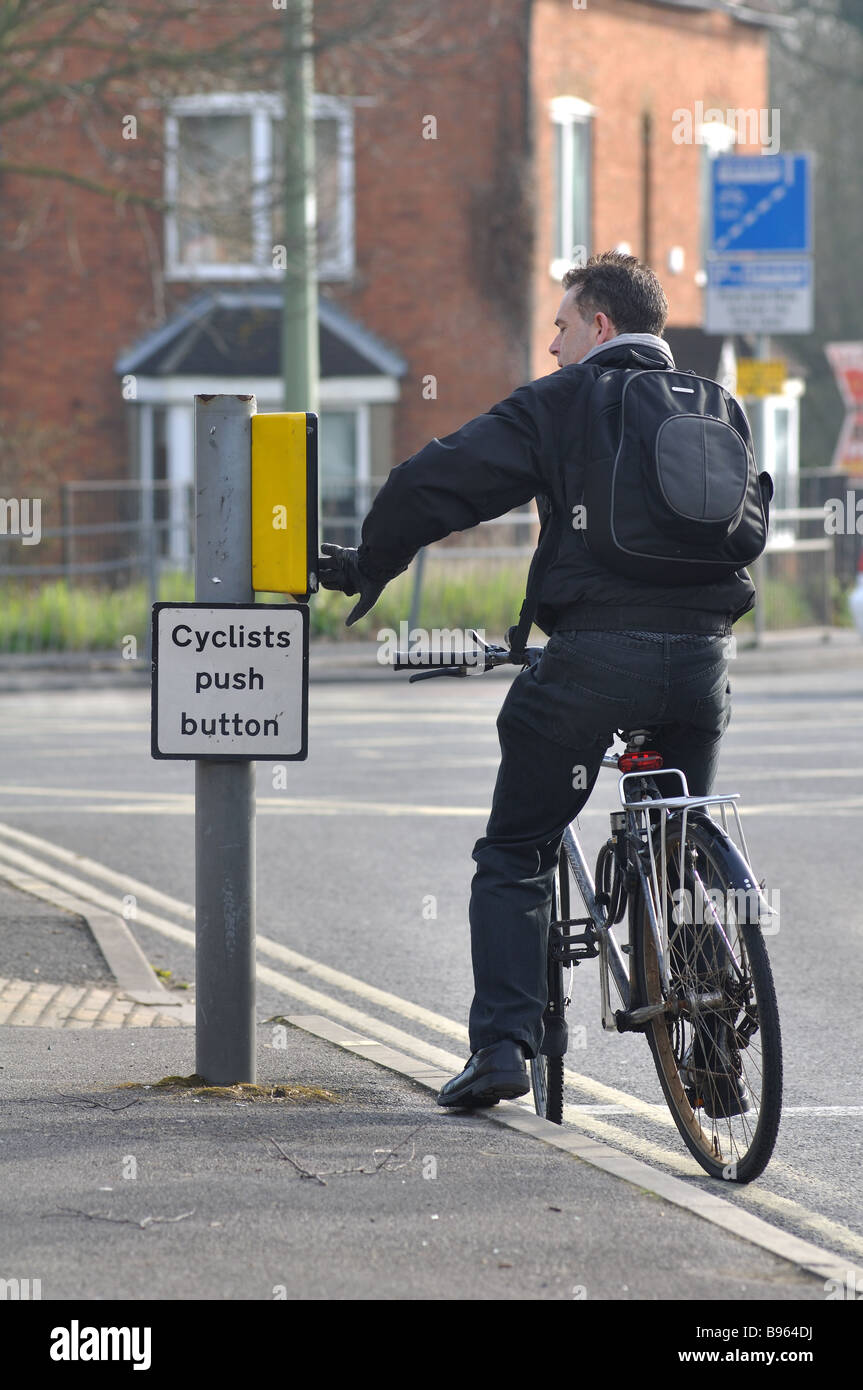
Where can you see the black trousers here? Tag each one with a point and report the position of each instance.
(554, 727)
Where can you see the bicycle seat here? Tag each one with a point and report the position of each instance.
(636, 738)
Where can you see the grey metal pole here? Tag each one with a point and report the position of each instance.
(224, 791)
(300, 349)
(755, 572)
(66, 526)
(760, 577)
(149, 522)
(417, 595)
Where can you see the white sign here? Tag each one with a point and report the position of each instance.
(230, 681)
(770, 295)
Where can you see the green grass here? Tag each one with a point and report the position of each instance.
(464, 594)
(58, 616)
(486, 594)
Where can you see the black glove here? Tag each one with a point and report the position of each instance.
(338, 568)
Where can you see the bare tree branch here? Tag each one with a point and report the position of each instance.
(46, 171)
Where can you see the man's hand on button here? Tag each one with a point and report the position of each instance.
(338, 568)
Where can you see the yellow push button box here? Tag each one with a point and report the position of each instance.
(285, 503)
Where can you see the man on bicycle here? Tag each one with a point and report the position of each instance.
(621, 654)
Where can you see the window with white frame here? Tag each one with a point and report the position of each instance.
(782, 449)
(571, 175)
(226, 189)
(345, 485)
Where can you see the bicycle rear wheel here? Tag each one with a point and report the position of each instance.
(718, 1054)
(546, 1071)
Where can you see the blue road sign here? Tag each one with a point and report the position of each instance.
(762, 204)
(766, 273)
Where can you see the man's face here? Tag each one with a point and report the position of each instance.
(576, 335)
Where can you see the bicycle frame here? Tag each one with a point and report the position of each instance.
(638, 828)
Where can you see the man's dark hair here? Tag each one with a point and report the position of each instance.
(621, 287)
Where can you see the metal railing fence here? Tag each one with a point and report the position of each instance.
(111, 548)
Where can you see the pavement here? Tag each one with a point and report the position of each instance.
(345, 1182)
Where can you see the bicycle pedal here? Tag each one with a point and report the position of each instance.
(625, 1022)
(569, 950)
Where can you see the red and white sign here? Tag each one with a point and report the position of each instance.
(846, 359)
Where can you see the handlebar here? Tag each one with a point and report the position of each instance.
(485, 656)
(482, 656)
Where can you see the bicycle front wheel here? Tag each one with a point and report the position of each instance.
(717, 1050)
(546, 1070)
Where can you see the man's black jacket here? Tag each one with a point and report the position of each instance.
(513, 453)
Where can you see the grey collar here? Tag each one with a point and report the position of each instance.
(637, 340)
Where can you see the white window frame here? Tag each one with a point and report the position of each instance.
(790, 405)
(568, 112)
(263, 109)
(342, 405)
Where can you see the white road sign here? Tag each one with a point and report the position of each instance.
(770, 295)
(230, 681)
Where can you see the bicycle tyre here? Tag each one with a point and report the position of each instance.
(546, 1073)
(736, 1143)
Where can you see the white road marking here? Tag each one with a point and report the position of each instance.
(182, 803)
(289, 805)
(93, 792)
(757, 1196)
(828, 1110)
(794, 773)
(412, 740)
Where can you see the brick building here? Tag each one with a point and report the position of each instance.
(451, 199)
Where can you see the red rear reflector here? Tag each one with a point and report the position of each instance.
(639, 762)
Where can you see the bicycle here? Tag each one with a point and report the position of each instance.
(698, 981)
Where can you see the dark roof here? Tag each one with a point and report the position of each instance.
(744, 14)
(697, 351)
(238, 333)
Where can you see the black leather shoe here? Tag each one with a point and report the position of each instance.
(492, 1074)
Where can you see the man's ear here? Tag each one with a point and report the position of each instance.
(608, 329)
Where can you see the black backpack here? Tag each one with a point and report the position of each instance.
(671, 491)
(672, 494)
